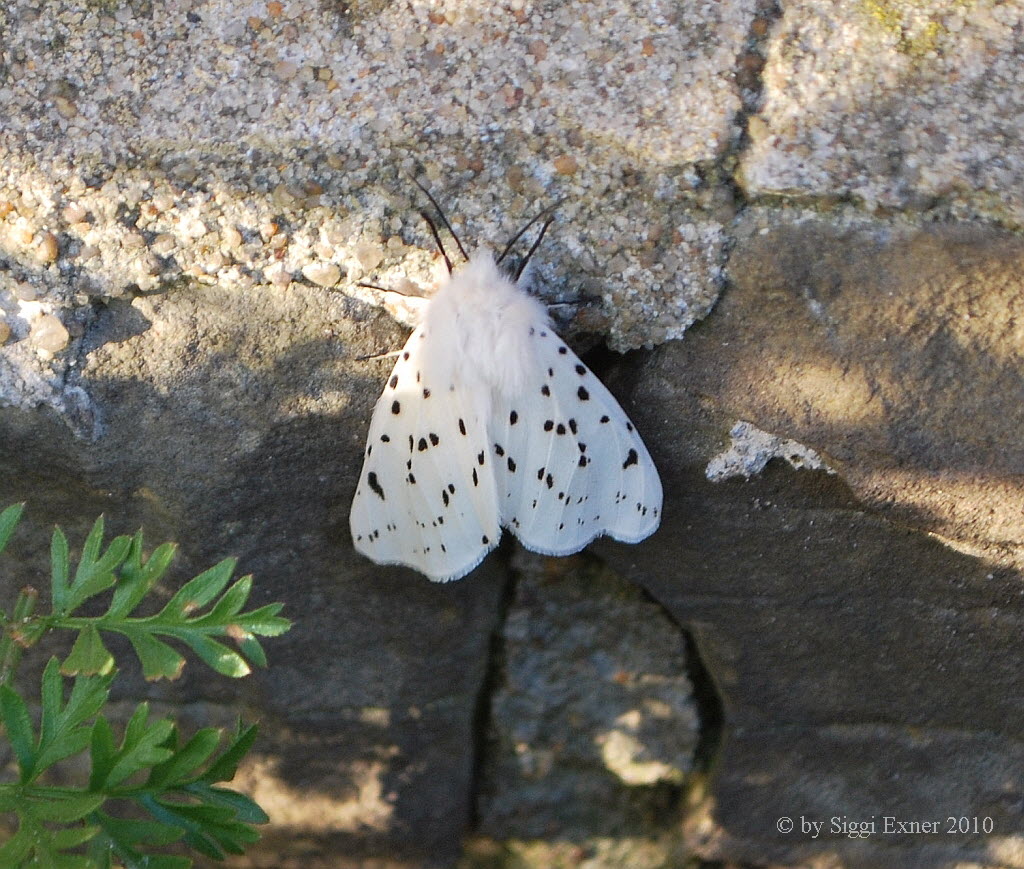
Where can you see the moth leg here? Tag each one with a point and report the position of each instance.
(391, 354)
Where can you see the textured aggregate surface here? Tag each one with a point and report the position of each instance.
(898, 104)
(144, 146)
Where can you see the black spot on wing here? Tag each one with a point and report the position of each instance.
(396, 408)
(394, 381)
(384, 439)
(462, 427)
(434, 439)
(426, 393)
(374, 483)
(499, 450)
(581, 370)
(563, 350)
(511, 465)
(572, 426)
(544, 390)
(582, 394)
(560, 429)
(549, 424)
(422, 444)
(631, 459)
(604, 419)
(513, 418)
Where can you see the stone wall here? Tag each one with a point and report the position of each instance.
(804, 219)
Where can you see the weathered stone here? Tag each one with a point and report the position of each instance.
(867, 665)
(47, 249)
(896, 103)
(856, 633)
(49, 334)
(322, 274)
(198, 425)
(594, 701)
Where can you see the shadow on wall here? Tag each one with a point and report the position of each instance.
(865, 666)
(895, 354)
(237, 429)
(230, 421)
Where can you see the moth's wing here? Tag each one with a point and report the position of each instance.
(426, 493)
(570, 465)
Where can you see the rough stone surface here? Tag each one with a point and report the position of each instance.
(898, 104)
(592, 701)
(201, 427)
(750, 450)
(143, 146)
(894, 352)
(193, 193)
(862, 627)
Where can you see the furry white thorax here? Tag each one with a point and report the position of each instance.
(477, 329)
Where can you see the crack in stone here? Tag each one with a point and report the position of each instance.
(722, 173)
(749, 74)
(493, 679)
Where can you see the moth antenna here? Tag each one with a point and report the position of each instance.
(519, 235)
(383, 289)
(536, 244)
(444, 220)
(437, 240)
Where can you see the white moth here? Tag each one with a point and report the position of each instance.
(488, 421)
